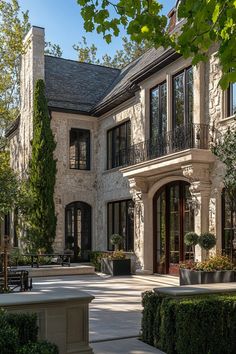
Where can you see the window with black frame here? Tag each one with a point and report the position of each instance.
(182, 135)
(120, 220)
(118, 143)
(231, 99)
(80, 149)
(183, 98)
(228, 225)
(158, 119)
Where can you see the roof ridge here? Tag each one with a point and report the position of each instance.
(81, 62)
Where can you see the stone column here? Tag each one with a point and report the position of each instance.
(200, 189)
(143, 243)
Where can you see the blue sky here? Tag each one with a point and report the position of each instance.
(64, 25)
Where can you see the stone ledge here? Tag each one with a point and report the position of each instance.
(51, 271)
(62, 316)
(192, 290)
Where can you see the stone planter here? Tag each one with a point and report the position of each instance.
(191, 277)
(116, 266)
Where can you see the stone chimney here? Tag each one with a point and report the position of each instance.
(32, 69)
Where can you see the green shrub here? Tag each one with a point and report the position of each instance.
(18, 335)
(192, 325)
(9, 341)
(191, 239)
(207, 241)
(95, 259)
(42, 347)
(116, 240)
(25, 324)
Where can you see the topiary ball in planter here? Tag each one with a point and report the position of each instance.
(116, 240)
(207, 241)
(191, 239)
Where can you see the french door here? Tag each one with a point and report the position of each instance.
(173, 218)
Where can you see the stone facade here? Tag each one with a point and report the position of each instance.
(100, 186)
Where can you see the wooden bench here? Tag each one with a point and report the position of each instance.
(62, 259)
(17, 279)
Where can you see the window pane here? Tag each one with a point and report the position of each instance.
(109, 224)
(121, 221)
(109, 149)
(163, 109)
(130, 226)
(118, 142)
(189, 97)
(80, 149)
(154, 126)
(178, 99)
(233, 98)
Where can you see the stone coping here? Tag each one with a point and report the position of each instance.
(191, 290)
(40, 297)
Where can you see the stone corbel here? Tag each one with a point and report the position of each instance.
(138, 187)
(197, 172)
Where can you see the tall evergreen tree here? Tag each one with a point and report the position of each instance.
(42, 176)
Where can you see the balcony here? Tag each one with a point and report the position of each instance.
(191, 136)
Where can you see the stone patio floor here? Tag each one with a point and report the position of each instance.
(115, 313)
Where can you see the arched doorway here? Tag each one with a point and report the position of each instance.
(172, 219)
(78, 229)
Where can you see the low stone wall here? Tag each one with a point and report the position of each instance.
(62, 316)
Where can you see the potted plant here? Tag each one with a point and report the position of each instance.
(207, 241)
(217, 269)
(116, 240)
(116, 262)
(191, 240)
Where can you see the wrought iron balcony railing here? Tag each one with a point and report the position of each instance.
(181, 138)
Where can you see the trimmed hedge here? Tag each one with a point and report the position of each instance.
(18, 335)
(192, 325)
(42, 347)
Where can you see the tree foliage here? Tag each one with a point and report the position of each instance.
(41, 217)
(206, 22)
(53, 49)
(9, 191)
(14, 24)
(130, 51)
(224, 149)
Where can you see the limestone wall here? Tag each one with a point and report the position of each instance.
(73, 185)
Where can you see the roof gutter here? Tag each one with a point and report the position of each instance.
(129, 91)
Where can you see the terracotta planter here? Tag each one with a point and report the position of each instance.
(191, 277)
(116, 266)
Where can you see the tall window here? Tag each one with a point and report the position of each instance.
(158, 121)
(80, 149)
(120, 220)
(183, 98)
(232, 99)
(228, 225)
(118, 142)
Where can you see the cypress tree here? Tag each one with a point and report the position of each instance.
(42, 176)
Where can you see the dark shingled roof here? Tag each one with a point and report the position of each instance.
(94, 89)
(74, 85)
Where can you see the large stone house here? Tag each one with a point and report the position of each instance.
(132, 151)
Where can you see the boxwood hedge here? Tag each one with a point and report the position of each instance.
(190, 325)
(18, 335)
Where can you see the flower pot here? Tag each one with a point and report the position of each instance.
(116, 266)
(191, 277)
